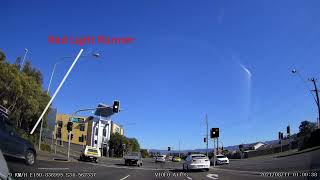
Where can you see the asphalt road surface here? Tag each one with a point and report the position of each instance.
(247, 169)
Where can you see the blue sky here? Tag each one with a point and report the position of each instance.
(185, 62)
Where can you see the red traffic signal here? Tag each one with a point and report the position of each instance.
(214, 132)
(116, 106)
(69, 126)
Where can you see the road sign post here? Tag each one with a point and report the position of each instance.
(214, 152)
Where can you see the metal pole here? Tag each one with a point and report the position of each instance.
(317, 95)
(51, 77)
(217, 145)
(214, 152)
(24, 57)
(56, 92)
(69, 139)
(179, 147)
(207, 134)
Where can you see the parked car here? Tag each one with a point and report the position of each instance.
(170, 158)
(220, 159)
(160, 158)
(196, 161)
(90, 153)
(176, 159)
(13, 145)
(4, 170)
(133, 158)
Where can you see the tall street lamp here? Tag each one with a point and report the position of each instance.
(96, 55)
(24, 57)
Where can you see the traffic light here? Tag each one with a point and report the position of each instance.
(280, 135)
(69, 126)
(169, 148)
(116, 106)
(214, 132)
(288, 130)
(204, 139)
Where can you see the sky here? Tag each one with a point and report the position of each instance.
(229, 59)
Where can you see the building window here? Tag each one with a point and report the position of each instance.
(104, 132)
(81, 138)
(96, 132)
(60, 123)
(82, 127)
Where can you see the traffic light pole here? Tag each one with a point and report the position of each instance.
(69, 139)
(214, 152)
(74, 114)
(207, 134)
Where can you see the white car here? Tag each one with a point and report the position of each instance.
(160, 158)
(4, 170)
(196, 161)
(220, 159)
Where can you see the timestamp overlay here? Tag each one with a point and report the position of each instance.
(290, 174)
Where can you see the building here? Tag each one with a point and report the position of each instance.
(79, 130)
(94, 131)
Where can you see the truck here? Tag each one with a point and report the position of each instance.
(133, 158)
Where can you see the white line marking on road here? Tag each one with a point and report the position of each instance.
(212, 176)
(189, 177)
(54, 168)
(125, 177)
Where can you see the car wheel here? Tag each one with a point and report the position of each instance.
(30, 157)
(207, 169)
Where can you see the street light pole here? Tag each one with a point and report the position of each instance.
(49, 85)
(24, 57)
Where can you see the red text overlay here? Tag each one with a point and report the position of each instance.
(89, 40)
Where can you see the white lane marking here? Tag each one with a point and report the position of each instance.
(212, 176)
(54, 168)
(189, 177)
(125, 177)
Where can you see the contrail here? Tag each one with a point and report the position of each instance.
(246, 70)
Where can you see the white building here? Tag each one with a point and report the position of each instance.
(99, 131)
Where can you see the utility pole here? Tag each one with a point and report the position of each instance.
(317, 100)
(207, 135)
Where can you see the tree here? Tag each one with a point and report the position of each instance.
(21, 92)
(2, 56)
(121, 144)
(144, 153)
(306, 127)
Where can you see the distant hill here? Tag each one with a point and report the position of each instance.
(229, 148)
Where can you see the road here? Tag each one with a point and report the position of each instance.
(247, 169)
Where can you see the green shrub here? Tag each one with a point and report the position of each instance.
(45, 147)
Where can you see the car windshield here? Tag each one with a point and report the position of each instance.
(92, 150)
(198, 156)
(235, 85)
(133, 154)
(220, 156)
